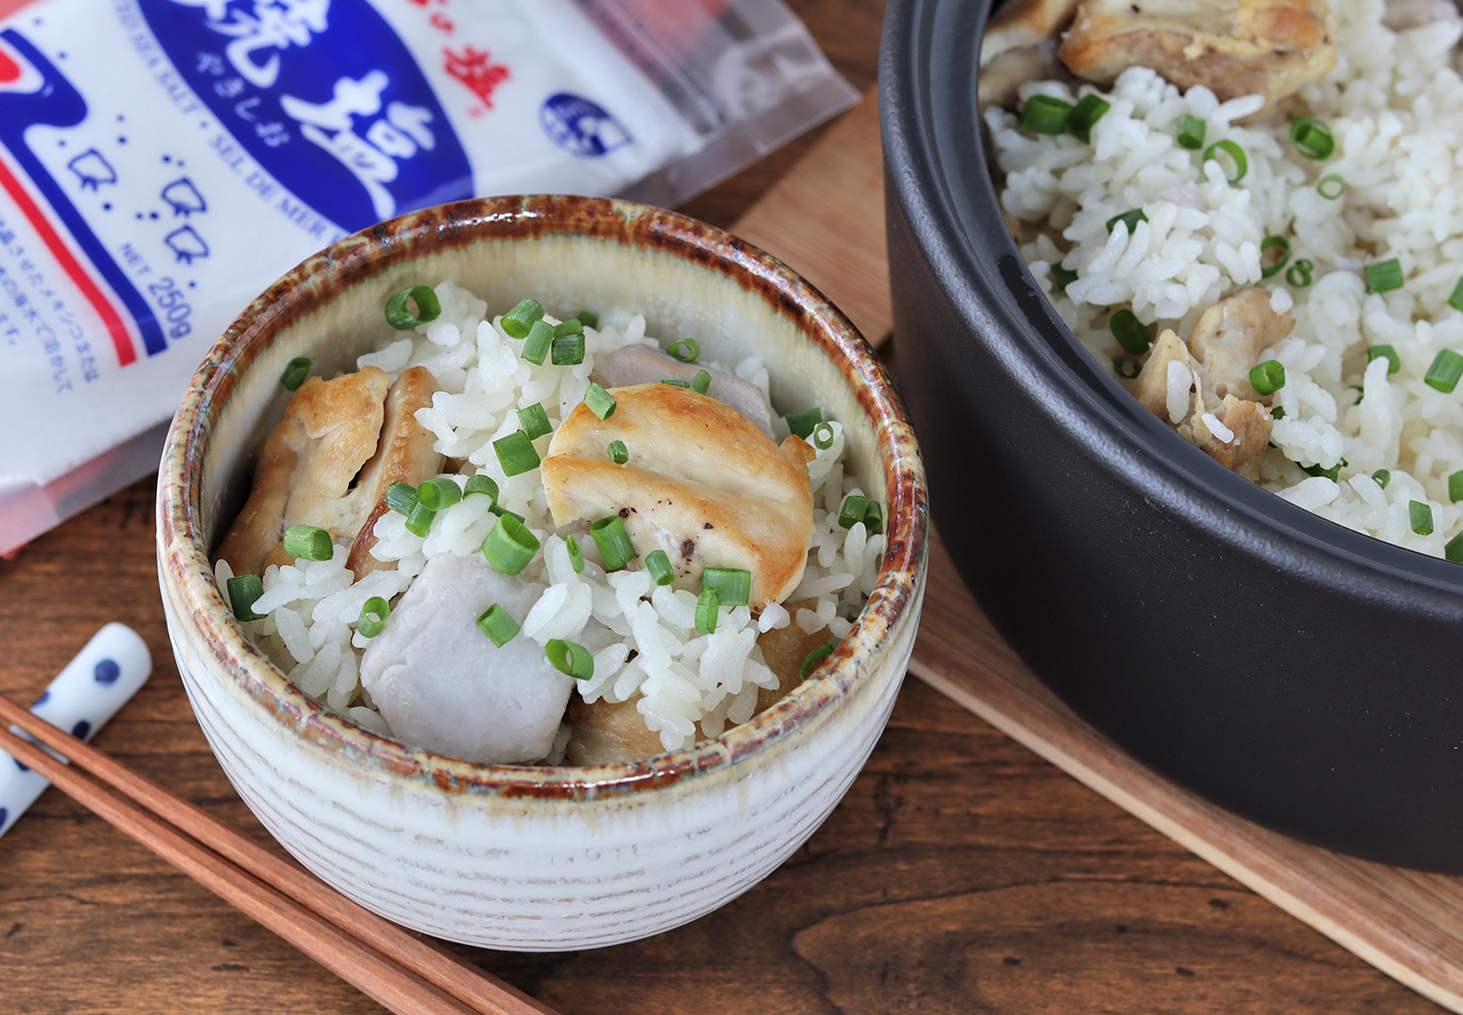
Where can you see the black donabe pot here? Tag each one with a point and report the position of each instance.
(1293, 671)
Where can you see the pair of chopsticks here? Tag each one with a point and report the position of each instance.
(400, 971)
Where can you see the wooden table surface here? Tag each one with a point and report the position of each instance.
(960, 874)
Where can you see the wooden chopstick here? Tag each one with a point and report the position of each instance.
(404, 973)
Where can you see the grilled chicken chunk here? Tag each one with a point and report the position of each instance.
(1024, 24)
(641, 364)
(703, 483)
(1228, 338)
(1234, 47)
(609, 733)
(784, 649)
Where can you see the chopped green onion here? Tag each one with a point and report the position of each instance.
(1443, 375)
(502, 512)
(659, 566)
(823, 436)
(619, 454)
(308, 542)
(244, 592)
(687, 350)
(535, 421)
(1421, 517)
(1456, 300)
(1089, 109)
(419, 521)
(1382, 477)
(573, 326)
(568, 351)
(1191, 132)
(521, 318)
(1043, 114)
(701, 382)
(401, 498)
(813, 658)
(439, 493)
(567, 657)
(482, 484)
(1455, 487)
(873, 518)
(1278, 412)
(516, 453)
(600, 401)
(510, 545)
(1131, 333)
(576, 555)
(373, 617)
(1266, 244)
(613, 542)
(498, 625)
(588, 318)
(1267, 377)
(1331, 473)
(1128, 369)
(733, 585)
(1394, 362)
(1063, 277)
(295, 373)
(1234, 151)
(675, 383)
(1312, 138)
(853, 511)
(1129, 218)
(1384, 276)
(398, 312)
(540, 338)
(1453, 549)
(1360, 392)
(1299, 273)
(802, 423)
(706, 606)
(1331, 187)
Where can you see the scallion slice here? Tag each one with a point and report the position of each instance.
(588, 318)
(823, 436)
(1455, 487)
(1129, 218)
(1331, 473)
(1394, 362)
(706, 606)
(1299, 273)
(1382, 477)
(510, 545)
(873, 518)
(1453, 549)
(482, 484)
(398, 310)
(1063, 277)
(567, 657)
(1277, 412)
(619, 454)
(687, 350)
(1266, 244)
(535, 421)
(733, 585)
(295, 372)
(1420, 514)
(1456, 300)
(498, 625)
(1447, 367)
(802, 423)
(675, 383)
(521, 318)
(1384, 276)
(419, 520)
(576, 555)
(1089, 109)
(658, 563)
(401, 497)
(1312, 138)
(568, 351)
(244, 592)
(1191, 132)
(540, 338)
(613, 542)
(502, 512)
(1235, 152)
(439, 493)
(1127, 369)
(1131, 333)
(813, 658)
(1044, 114)
(373, 617)
(1331, 187)
(1268, 377)
(516, 453)
(701, 382)
(600, 401)
(308, 542)
(853, 510)
(573, 326)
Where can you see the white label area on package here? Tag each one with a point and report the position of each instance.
(163, 161)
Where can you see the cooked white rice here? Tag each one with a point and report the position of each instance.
(1395, 105)
(685, 677)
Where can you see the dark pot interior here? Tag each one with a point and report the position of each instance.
(1288, 669)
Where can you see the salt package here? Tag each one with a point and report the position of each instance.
(163, 161)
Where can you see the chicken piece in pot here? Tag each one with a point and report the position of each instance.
(642, 364)
(1234, 47)
(609, 733)
(1229, 337)
(702, 483)
(1024, 24)
(784, 650)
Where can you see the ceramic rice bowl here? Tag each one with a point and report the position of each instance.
(520, 857)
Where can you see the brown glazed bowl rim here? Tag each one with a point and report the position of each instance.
(184, 556)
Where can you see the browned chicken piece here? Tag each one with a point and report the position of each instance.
(1001, 79)
(1235, 47)
(784, 649)
(404, 454)
(1023, 24)
(609, 733)
(1151, 386)
(703, 483)
(329, 430)
(1229, 338)
(1249, 424)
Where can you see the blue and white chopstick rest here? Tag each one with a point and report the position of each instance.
(88, 692)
